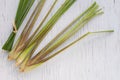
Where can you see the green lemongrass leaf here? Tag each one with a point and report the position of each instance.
(37, 30)
(67, 35)
(25, 13)
(9, 43)
(22, 10)
(52, 21)
(19, 10)
(18, 21)
(30, 67)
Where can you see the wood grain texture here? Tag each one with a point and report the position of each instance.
(97, 57)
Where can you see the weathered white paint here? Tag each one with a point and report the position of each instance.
(97, 57)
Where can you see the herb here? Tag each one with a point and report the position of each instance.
(27, 44)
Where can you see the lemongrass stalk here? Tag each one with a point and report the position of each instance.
(56, 53)
(22, 66)
(19, 60)
(40, 25)
(40, 6)
(52, 21)
(35, 32)
(33, 19)
(67, 35)
(67, 4)
(20, 16)
(30, 67)
(70, 25)
(26, 31)
(41, 55)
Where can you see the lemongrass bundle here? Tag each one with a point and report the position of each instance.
(91, 13)
(27, 44)
(25, 50)
(22, 11)
(63, 36)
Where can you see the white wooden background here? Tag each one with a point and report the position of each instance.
(97, 57)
